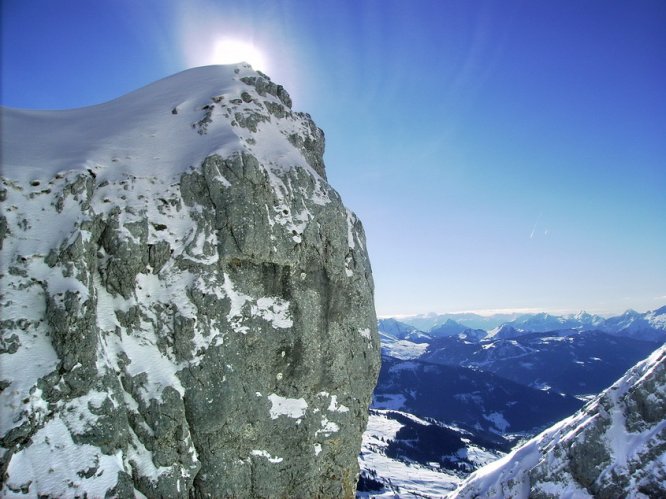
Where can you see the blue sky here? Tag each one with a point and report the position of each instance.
(501, 154)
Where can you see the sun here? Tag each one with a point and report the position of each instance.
(231, 51)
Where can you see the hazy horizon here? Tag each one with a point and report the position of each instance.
(518, 311)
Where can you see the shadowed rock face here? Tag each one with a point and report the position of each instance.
(206, 332)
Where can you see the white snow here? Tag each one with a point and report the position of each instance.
(406, 480)
(282, 406)
(237, 301)
(327, 427)
(566, 489)
(77, 415)
(479, 456)
(273, 310)
(658, 321)
(138, 132)
(335, 407)
(414, 418)
(53, 450)
(489, 480)
(34, 359)
(145, 357)
(405, 349)
(350, 229)
(263, 453)
(498, 421)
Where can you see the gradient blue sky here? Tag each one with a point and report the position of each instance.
(501, 154)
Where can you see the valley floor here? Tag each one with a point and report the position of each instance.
(385, 474)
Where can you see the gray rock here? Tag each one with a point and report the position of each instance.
(4, 229)
(211, 334)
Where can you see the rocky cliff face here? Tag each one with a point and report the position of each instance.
(614, 447)
(187, 306)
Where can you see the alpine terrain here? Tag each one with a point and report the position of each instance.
(614, 447)
(187, 306)
(456, 396)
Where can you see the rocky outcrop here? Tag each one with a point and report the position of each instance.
(614, 447)
(187, 305)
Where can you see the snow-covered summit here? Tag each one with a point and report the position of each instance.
(544, 322)
(649, 326)
(161, 129)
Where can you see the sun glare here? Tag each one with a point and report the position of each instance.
(229, 51)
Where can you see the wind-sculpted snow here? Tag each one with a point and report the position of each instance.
(614, 447)
(180, 285)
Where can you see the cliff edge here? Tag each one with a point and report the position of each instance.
(187, 306)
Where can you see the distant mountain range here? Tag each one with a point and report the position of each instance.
(392, 330)
(462, 391)
(649, 326)
(547, 352)
(474, 321)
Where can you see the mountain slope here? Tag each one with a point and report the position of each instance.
(400, 340)
(448, 328)
(390, 473)
(396, 330)
(187, 305)
(650, 326)
(403, 454)
(587, 362)
(467, 398)
(614, 447)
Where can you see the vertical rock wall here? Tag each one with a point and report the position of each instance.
(206, 333)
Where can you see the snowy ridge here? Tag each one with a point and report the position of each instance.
(615, 446)
(648, 326)
(161, 129)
